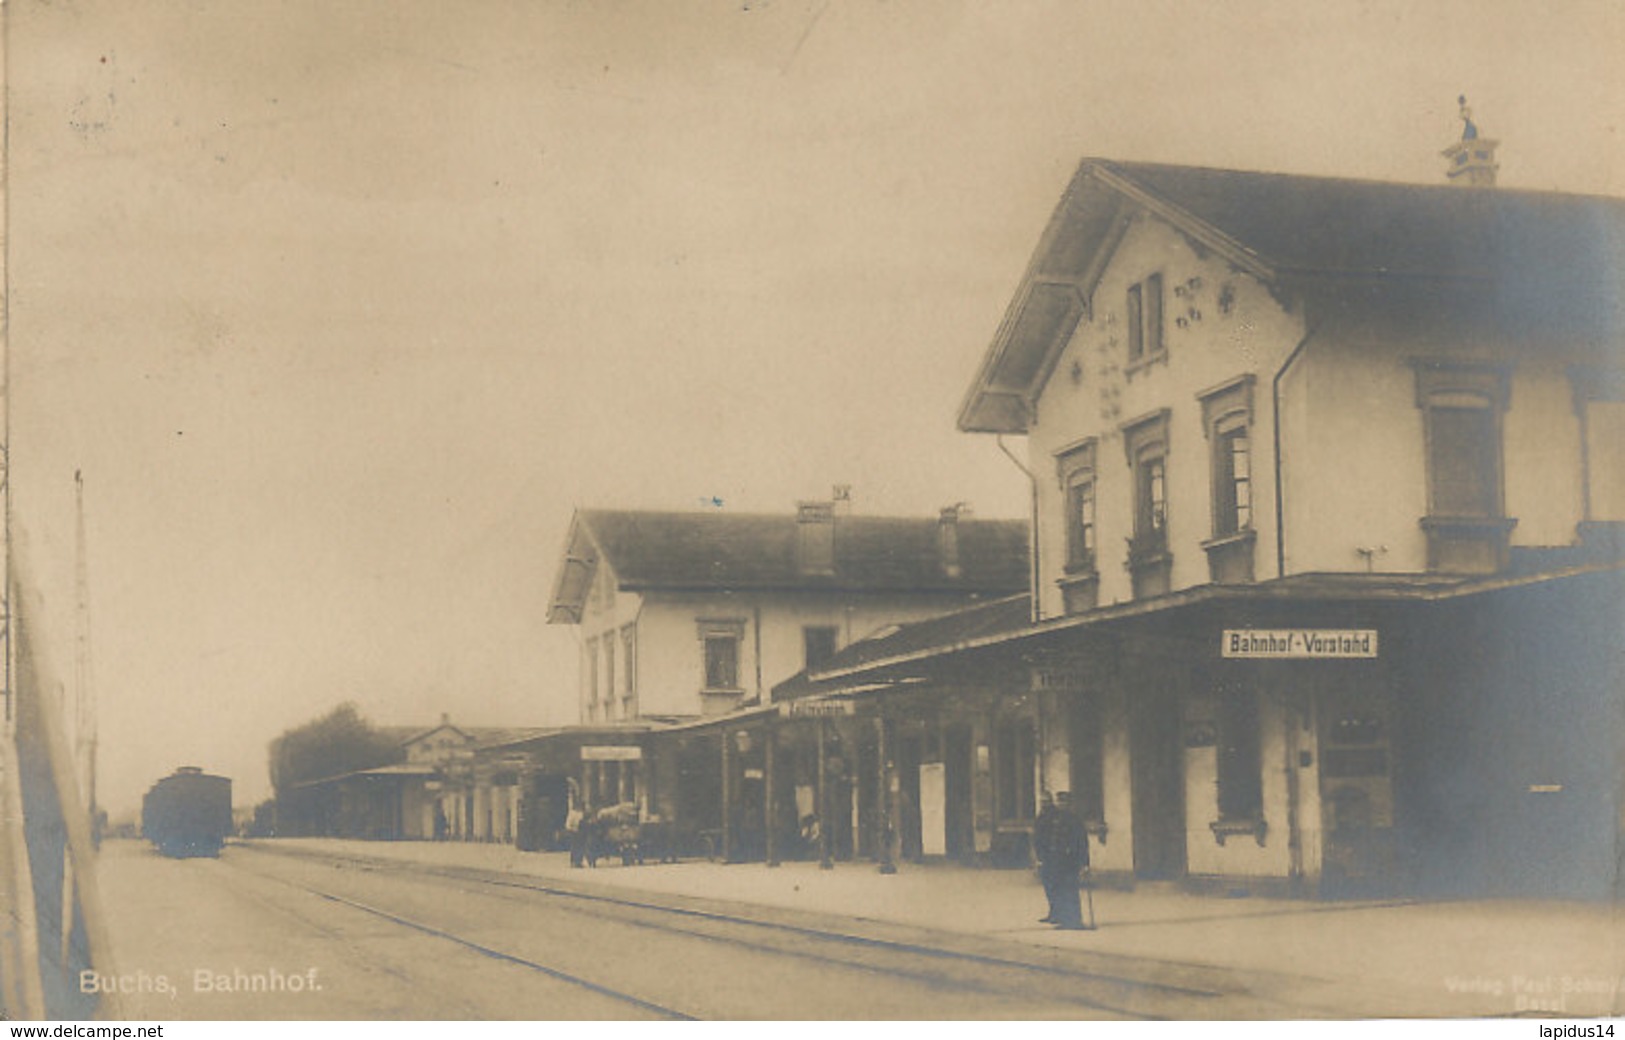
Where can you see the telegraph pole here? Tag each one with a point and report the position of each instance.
(824, 814)
(84, 722)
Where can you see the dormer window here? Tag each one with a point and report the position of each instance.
(1145, 334)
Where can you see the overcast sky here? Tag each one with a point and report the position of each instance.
(343, 307)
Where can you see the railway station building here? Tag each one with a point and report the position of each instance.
(686, 620)
(1328, 492)
(445, 785)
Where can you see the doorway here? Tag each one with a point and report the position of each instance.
(1158, 779)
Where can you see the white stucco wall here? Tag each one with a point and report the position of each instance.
(1092, 393)
(1352, 459)
(1544, 475)
(1353, 442)
(605, 615)
(670, 658)
(1354, 456)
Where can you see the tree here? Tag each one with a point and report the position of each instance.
(263, 824)
(339, 742)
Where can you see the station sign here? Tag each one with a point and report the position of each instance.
(817, 709)
(1298, 644)
(611, 753)
(1041, 679)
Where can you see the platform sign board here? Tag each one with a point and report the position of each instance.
(933, 809)
(1298, 644)
(611, 753)
(817, 709)
(1041, 679)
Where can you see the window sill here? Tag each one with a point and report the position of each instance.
(1467, 544)
(1143, 560)
(1230, 557)
(1606, 538)
(1150, 573)
(1080, 591)
(1246, 536)
(1083, 571)
(1134, 368)
(1223, 829)
(1469, 524)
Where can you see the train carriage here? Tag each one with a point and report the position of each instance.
(188, 813)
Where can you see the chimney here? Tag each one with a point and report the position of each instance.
(445, 718)
(815, 537)
(841, 496)
(948, 537)
(1472, 159)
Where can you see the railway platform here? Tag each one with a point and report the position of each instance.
(1398, 958)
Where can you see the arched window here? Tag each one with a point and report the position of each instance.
(1079, 485)
(1145, 440)
(1227, 422)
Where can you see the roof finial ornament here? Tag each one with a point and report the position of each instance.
(1472, 159)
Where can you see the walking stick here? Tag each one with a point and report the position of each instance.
(1089, 894)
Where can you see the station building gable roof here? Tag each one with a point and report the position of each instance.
(649, 550)
(1542, 258)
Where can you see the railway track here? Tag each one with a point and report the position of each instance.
(1092, 991)
(297, 916)
(658, 1010)
(354, 950)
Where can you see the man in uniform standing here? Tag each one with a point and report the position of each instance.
(1063, 850)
